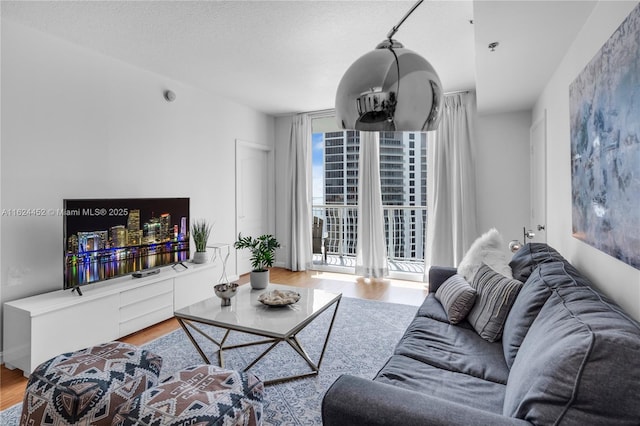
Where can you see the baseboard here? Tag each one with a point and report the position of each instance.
(279, 264)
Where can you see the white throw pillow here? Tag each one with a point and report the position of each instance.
(487, 249)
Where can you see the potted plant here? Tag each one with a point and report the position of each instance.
(262, 257)
(200, 231)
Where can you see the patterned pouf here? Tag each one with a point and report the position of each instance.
(198, 395)
(86, 387)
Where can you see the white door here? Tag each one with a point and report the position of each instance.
(253, 192)
(538, 211)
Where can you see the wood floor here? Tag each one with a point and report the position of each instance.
(13, 383)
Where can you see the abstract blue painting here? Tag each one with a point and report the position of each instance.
(605, 146)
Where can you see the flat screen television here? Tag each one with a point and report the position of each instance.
(109, 238)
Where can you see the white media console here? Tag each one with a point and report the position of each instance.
(40, 327)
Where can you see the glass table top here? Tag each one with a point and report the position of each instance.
(247, 314)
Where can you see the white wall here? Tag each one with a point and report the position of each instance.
(78, 124)
(502, 173)
(617, 279)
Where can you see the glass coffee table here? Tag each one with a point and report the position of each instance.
(247, 315)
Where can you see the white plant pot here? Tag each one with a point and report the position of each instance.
(200, 257)
(259, 279)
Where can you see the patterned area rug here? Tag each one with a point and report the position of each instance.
(363, 337)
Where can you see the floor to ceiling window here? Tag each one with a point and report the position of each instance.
(403, 180)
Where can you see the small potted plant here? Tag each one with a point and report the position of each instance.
(200, 231)
(262, 257)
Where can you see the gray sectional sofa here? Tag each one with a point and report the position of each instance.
(568, 356)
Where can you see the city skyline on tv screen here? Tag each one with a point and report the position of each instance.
(106, 238)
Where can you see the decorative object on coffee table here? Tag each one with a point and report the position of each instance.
(226, 291)
(279, 297)
(200, 231)
(262, 257)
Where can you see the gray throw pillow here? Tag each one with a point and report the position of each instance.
(496, 295)
(457, 297)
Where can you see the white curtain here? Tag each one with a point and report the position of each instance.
(371, 253)
(452, 219)
(299, 177)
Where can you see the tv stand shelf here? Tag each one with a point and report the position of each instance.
(40, 327)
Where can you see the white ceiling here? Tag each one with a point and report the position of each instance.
(288, 56)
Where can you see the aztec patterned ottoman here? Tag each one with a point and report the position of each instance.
(87, 386)
(198, 395)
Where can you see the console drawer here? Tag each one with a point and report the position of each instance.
(145, 292)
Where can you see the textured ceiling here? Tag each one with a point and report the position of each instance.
(534, 37)
(288, 56)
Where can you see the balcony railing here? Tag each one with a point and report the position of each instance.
(404, 226)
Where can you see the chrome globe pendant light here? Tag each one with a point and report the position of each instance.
(390, 89)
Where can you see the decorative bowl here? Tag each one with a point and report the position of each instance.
(226, 291)
(279, 298)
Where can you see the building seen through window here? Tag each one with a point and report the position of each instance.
(403, 183)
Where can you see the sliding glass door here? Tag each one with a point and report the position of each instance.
(403, 180)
